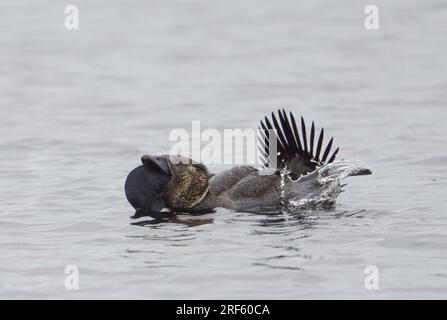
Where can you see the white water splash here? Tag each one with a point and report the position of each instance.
(319, 188)
(284, 174)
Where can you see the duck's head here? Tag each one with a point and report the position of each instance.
(166, 182)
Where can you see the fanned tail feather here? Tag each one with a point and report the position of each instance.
(294, 150)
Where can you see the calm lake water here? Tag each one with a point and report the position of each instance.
(79, 108)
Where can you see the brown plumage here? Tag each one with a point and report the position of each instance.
(188, 185)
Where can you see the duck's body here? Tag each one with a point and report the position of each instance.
(241, 188)
(178, 184)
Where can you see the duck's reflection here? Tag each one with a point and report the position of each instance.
(279, 238)
(156, 218)
(273, 221)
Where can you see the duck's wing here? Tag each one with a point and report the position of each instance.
(300, 152)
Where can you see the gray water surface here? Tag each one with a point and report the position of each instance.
(79, 108)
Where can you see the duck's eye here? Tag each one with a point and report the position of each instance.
(293, 176)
